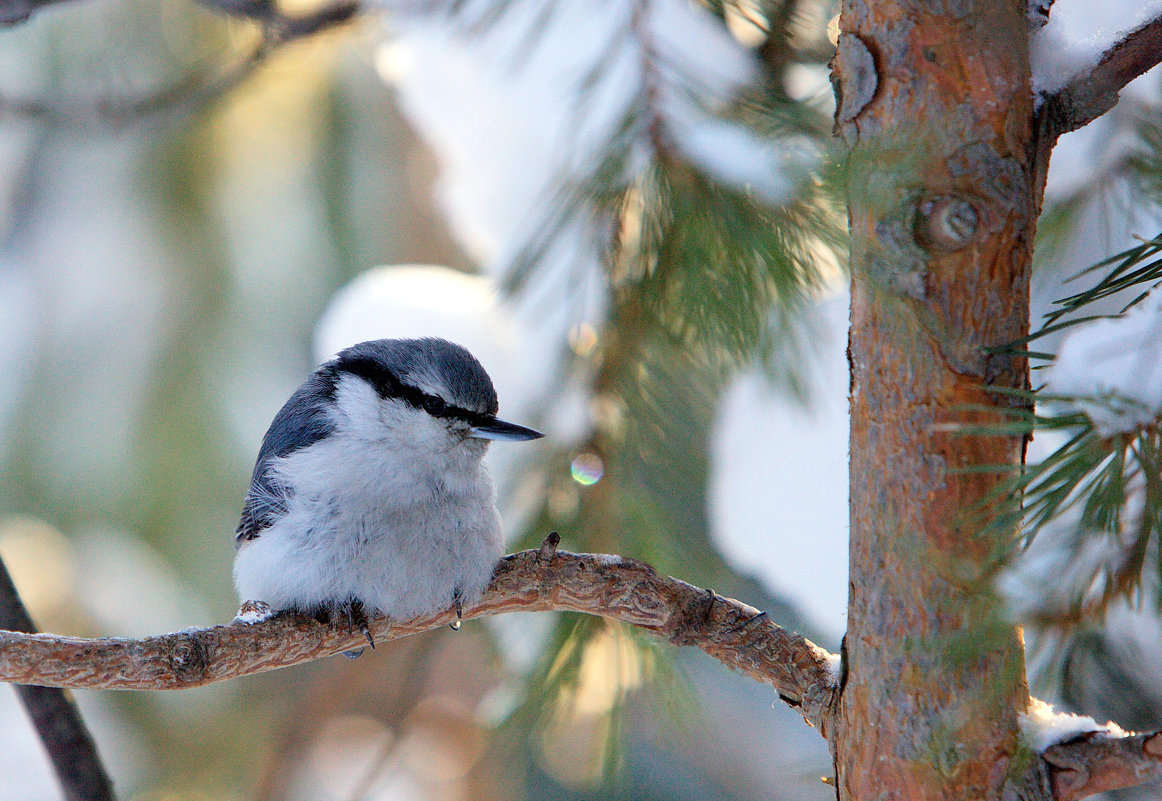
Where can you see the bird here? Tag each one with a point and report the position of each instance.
(369, 494)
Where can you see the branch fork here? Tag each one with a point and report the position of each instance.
(1095, 91)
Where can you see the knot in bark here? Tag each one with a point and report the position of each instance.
(188, 658)
(946, 222)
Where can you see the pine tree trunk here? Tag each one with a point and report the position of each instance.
(935, 104)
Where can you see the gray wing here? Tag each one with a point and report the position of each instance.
(301, 422)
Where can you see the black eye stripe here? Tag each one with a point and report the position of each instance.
(387, 385)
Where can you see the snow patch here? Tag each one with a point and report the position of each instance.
(523, 109)
(736, 156)
(252, 612)
(778, 481)
(1043, 726)
(1077, 35)
(834, 668)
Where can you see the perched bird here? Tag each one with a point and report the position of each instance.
(370, 494)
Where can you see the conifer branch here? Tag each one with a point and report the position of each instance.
(1096, 762)
(734, 633)
(1093, 92)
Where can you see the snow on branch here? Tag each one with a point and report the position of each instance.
(1091, 87)
(573, 105)
(739, 636)
(1083, 757)
(1043, 726)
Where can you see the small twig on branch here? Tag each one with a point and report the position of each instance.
(536, 580)
(1094, 92)
(56, 718)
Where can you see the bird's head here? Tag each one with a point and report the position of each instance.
(419, 393)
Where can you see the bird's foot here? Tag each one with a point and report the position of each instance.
(354, 613)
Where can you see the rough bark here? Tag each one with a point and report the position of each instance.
(936, 106)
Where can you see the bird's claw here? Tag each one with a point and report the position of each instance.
(356, 617)
(458, 600)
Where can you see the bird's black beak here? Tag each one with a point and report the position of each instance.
(499, 429)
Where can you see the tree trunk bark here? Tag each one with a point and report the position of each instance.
(935, 104)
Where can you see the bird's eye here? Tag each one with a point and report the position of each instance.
(433, 405)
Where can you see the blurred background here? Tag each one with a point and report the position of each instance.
(636, 216)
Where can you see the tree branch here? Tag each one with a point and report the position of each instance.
(285, 27)
(1096, 762)
(13, 12)
(266, 12)
(1094, 92)
(56, 718)
(737, 635)
(277, 28)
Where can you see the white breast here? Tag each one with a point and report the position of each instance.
(399, 524)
